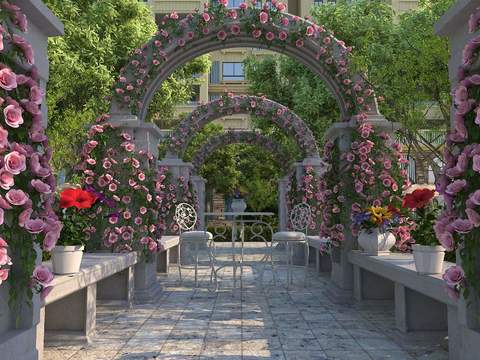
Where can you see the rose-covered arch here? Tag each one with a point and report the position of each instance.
(280, 115)
(217, 27)
(242, 137)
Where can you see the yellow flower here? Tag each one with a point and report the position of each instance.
(380, 214)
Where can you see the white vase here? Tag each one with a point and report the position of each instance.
(239, 205)
(428, 259)
(374, 242)
(67, 259)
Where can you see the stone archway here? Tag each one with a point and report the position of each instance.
(280, 115)
(217, 27)
(241, 137)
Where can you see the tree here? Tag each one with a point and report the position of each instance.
(401, 57)
(99, 35)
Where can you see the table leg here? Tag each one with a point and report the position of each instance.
(234, 236)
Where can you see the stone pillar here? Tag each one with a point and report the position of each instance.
(176, 166)
(282, 203)
(146, 136)
(340, 289)
(464, 324)
(199, 185)
(20, 342)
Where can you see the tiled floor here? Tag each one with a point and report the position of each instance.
(254, 322)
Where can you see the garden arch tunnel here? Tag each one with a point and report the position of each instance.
(181, 40)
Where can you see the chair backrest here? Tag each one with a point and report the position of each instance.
(300, 217)
(185, 216)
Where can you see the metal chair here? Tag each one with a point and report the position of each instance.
(300, 219)
(186, 218)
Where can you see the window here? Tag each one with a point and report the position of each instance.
(214, 96)
(321, 2)
(232, 71)
(195, 95)
(234, 4)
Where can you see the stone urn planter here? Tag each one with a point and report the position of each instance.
(376, 242)
(67, 259)
(428, 259)
(239, 205)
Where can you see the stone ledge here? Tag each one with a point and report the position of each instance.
(400, 268)
(94, 268)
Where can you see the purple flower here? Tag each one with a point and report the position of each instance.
(456, 186)
(475, 197)
(462, 226)
(43, 275)
(454, 276)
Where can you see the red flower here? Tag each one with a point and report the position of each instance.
(79, 198)
(418, 199)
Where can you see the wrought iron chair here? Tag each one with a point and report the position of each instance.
(300, 219)
(186, 218)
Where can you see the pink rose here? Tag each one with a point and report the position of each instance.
(221, 35)
(50, 240)
(34, 226)
(15, 162)
(283, 35)
(447, 241)
(299, 43)
(3, 275)
(256, 33)
(24, 217)
(43, 275)
(280, 6)
(3, 139)
(16, 197)
(454, 276)
(13, 116)
(6, 179)
(310, 31)
(270, 36)
(235, 29)
(152, 246)
(8, 79)
(36, 94)
(4, 258)
(263, 17)
(206, 17)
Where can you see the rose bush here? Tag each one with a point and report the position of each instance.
(27, 183)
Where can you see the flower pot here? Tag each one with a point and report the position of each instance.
(239, 205)
(375, 242)
(66, 259)
(428, 259)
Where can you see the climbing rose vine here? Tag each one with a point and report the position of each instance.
(123, 180)
(230, 104)
(459, 225)
(268, 25)
(27, 183)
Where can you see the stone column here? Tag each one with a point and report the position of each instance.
(146, 136)
(199, 185)
(464, 324)
(282, 203)
(176, 166)
(341, 287)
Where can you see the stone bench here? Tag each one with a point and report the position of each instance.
(68, 313)
(323, 263)
(421, 301)
(169, 253)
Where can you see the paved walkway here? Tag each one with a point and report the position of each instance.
(253, 322)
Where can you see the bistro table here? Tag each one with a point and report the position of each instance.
(239, 220)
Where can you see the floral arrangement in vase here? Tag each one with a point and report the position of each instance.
(423, 210)
(375, 224)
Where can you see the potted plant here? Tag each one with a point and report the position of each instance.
(427, 251)
(75, 204)
(374, 223)
(238, 203)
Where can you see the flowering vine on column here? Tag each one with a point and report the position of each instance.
(458, 226)
(27, 183)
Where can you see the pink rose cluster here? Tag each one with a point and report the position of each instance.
(267, 24)
(41, 280)
(458, 225)
(124, 181)
(27, 183)
(330, 199)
